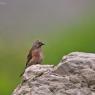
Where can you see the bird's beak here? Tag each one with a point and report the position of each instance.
(43, 44)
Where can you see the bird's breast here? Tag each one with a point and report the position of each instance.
(37, 55)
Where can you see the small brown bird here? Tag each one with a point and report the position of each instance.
(35, 55)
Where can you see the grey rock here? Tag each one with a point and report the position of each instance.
(74, 75)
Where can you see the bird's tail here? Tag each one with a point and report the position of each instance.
(21, 74)
(24, 69)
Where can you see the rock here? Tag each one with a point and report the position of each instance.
(74, 75)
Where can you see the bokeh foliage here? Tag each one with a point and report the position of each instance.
(60, 40)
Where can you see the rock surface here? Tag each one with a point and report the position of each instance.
(74, 75)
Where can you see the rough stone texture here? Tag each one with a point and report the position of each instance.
(74, 75)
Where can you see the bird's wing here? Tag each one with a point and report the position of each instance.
(29, 57)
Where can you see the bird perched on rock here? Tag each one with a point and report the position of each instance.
(35, 55)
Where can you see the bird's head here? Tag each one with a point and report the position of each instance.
(37, 44)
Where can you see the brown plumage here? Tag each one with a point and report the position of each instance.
(35, 55)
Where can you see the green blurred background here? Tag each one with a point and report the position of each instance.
(63, 25)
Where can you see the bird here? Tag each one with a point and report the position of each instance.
(35, 55)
